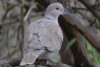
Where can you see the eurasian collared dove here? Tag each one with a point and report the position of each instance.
(44, 36)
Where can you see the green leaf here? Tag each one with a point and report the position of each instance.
(70, 44)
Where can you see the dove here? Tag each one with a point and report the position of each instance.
(44, 36)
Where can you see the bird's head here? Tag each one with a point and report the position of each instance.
(54, 10)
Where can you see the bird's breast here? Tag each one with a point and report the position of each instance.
(51, 36)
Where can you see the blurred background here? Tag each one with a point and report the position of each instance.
(81, 44)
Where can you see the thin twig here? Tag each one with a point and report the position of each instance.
(28, 13)
(22, 28)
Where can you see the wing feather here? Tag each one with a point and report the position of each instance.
(38, 36)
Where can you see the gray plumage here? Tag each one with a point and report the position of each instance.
(44, 36)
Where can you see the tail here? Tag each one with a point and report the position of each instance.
(31, 57)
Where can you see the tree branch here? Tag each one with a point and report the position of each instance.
(78, 49)
(88, 33)
(90, 8)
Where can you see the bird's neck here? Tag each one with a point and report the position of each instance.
(52, 17)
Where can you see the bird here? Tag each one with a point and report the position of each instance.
(44, 36)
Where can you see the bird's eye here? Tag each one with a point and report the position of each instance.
(57, 8)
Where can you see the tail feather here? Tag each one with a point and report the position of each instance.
(31, 57)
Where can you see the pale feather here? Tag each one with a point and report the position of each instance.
(43, 34)
(31, 57)
(39, 35)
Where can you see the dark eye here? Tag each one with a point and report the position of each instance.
(57, 8)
